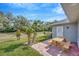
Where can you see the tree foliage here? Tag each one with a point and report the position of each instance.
(11, 23)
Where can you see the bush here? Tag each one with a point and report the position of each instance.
(42, 38)
(8, 30)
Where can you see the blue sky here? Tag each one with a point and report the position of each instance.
(42, 11)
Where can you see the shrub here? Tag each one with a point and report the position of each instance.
(7, 29)
(42, 38)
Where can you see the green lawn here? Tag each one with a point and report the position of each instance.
(16, 48)
(12, 47)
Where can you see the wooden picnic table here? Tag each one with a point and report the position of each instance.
(54, 41)
(58, 39)
(60, 42)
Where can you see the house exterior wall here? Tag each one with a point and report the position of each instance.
(69, 31)
(53, 31)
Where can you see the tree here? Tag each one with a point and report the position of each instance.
(49, 26)
(20, 21)
(4, 21)
(1, 16)
(7, 21)
(28, 30)
(10, 16)
(36, 27)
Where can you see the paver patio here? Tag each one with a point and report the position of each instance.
(53, 50)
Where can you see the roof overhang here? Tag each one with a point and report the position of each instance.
(71, 10)
(62, 22)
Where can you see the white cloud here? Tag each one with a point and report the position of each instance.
(32, 16)
(29, 6)
(13, 5)
(58, 10)
(58, 18)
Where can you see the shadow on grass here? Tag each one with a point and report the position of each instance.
(25, 47)
(11, 47)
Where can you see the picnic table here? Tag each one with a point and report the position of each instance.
(55, 41)
(58, 39)
(60, 42)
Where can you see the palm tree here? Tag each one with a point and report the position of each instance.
(36, 27)
(29, 31)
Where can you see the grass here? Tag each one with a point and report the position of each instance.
(16, 48)
(9, 46)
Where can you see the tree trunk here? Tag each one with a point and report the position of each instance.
(29, 39)
(34, 36)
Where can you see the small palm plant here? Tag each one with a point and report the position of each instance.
(18, 34)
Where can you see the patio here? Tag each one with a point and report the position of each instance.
(53, 50)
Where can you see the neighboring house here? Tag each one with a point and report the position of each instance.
(68, 28)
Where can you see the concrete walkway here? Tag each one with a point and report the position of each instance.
(40, 47)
